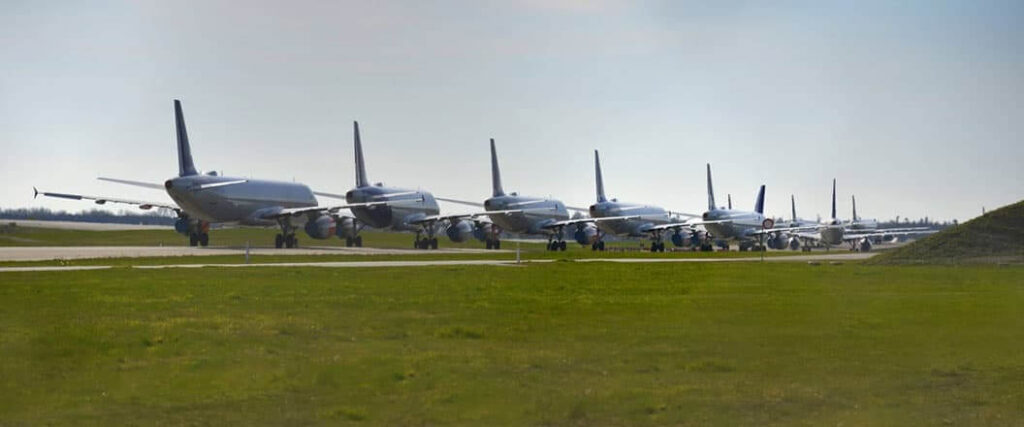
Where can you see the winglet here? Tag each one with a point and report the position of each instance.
(711, 191)
(35, 193)
(728, 198)
(185, 165)
(792, 201)
(361, 180)
(495, 172)
(600, 180)
(759, 203)
(833, 198)
(853, 199)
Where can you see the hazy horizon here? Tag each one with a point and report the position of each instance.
(913, 107)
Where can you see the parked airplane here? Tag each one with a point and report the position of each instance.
(857, 223)
(833, 232)
(402, 209)
(513, 213)
(618, 218)
(202, 199)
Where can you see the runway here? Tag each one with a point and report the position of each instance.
(45, 253)
(840, 257)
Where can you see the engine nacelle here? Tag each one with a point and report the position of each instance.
(460, 231)
(794, 243)
(775, 242)
(345, 227)
(586, 234)
(182, 226)
(864, 245)
(320, 228)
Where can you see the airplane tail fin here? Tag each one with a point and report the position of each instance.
(759, 203)
(792, 201)
(495, 172)
(185, 165)
(361, 180)
(728, 198)
(600, 179)
(853, 199)
(833, 198)
(711, 191)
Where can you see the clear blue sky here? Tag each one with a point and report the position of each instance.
(915, 106)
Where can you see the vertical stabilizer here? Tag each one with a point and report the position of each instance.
(361, 180)
(853, 199)
(792, 202)
(728, 200)
(495, 173)
(711, 191)
(600, 180)
(185, 165)
(833, 198)
(759, 203)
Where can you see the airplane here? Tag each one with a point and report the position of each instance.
(204, 199)
(513, 213)
(405, 210)
(857, 223)
(834, 232)
(779, 240)
(723, 224)
(618, 218)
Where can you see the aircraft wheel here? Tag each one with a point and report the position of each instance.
(488, 243)
(359, 241)
(561, 246)
(278, 241)
(433, 243)
(204, 239)
(497, 244)
(600, 245)
(193, 239)
(593, 246)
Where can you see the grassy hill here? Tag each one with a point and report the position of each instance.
(997, 236)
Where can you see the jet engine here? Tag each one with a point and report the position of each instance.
(182, 225)
(460, 231)
(794, 243)
(320, 228)
(776, 241)
(586, 234)
(345, 227)
(864, 245)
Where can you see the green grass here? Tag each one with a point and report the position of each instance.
(559, 343)
(995, 237)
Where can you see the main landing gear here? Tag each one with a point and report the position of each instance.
(287, 236)
(493, 243)
(354, 241)
(429, 242)
(199, 239)
(556, 245)
(199, 233)
(597, 246)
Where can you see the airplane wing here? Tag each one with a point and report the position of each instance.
(332, 209)
(849, 237)
(461, 202)
(790, 230)
(104, 200)
(150, 185)
(686, 224)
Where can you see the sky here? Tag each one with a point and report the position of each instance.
(915, 107)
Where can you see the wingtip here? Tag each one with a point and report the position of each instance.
(35, 192)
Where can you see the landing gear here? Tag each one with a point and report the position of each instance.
(597, 246)
(287, 236)
(657, 247)
(354, 241)
(430, 242)
(198, 239)
(557, 245)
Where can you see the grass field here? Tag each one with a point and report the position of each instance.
(560, 343)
